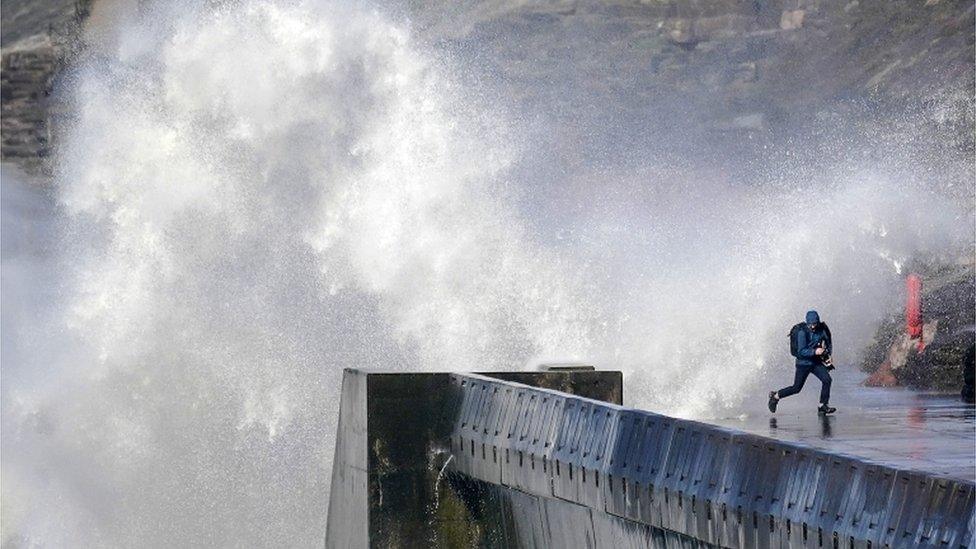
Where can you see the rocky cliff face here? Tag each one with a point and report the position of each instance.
(719, 71)
(37, 40)
(789, 51)
(733, 65)
(25, 84)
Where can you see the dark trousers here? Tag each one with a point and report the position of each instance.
(800, 378)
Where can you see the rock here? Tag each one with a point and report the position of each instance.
(688, 32)
(38, 39)
(894, 359)
(680, 31)
(882, 377)
(750, 122)
(720, 26)
(879, 76)
(26, 73)
(745, 72)
(792, 19)
(753, 121)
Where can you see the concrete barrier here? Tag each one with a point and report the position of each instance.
(499, 463)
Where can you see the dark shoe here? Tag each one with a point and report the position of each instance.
(773, 401)
(824, 410)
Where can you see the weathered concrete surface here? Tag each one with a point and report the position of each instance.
(390, 448)
(512, 518)
(349, 499)
(512, 465)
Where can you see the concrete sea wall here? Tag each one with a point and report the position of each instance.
(498, 463)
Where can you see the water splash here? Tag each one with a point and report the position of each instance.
(255, 195)
(258, 195)
(440, 475)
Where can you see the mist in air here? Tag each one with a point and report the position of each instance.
(251, 196)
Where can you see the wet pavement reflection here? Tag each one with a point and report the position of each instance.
(900, 428)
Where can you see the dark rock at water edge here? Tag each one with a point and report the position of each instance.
(949, 312)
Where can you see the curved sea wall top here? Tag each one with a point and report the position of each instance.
(527, 465)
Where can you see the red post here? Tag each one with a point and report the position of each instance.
(913, 309)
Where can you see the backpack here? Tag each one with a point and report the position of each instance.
(799, 326)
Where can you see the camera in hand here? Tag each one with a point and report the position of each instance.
(827, 360)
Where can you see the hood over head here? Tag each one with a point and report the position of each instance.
(813, 317)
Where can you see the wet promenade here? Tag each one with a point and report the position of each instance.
(896, 427)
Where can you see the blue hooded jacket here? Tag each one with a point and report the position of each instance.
(808, 340)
